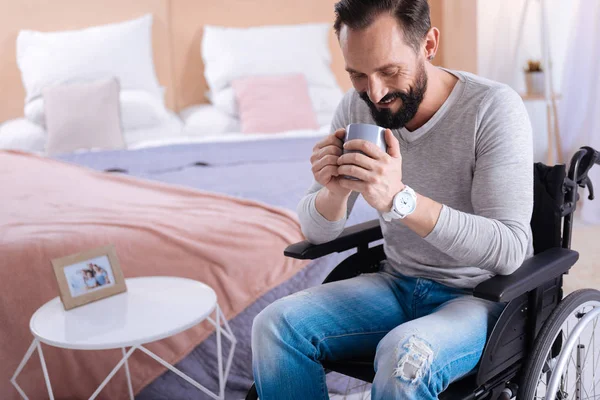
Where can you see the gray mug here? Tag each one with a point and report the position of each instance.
(371, 133)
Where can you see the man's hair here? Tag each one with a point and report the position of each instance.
(412, 15)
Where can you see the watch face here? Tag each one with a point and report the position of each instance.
(404, 203)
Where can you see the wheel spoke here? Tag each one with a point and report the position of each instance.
(590, 342)
(597, 360)
(596, 382)
(576, 380)
(592, 346)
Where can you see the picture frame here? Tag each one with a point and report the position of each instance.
(89, 276)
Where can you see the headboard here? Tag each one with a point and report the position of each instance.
(73, 14)
(190, 16)
(177, 35)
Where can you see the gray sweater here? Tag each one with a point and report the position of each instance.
(474, 156)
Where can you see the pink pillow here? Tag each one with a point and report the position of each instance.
(269, 104)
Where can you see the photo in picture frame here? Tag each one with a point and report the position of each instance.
(88, 276)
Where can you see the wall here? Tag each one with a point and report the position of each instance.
(459, 37)
(497, 29)
(71, 14)
(502, 58)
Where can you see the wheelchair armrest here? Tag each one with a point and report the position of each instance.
(533, 273)
(351, 237)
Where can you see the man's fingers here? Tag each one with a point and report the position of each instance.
(356, 172)
(340, 133)
(336, 151)
(357, 159)
(325, 151)
(324, 161)
(325, 174)
(335, 139)
(370, 149)
(357, 186)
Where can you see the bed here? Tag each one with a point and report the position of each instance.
(191, 145)
(275, 171)
(272, 170)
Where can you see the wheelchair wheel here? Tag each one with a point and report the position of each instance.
(580, 378)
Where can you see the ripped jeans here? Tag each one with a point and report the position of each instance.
(424, 335)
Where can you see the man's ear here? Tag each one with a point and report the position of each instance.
(432, 41)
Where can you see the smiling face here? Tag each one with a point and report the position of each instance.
(387, 72)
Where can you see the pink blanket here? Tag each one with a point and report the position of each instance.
(50, 209)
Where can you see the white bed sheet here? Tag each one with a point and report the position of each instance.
(231, 137)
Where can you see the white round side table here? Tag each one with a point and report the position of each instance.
(153, 308)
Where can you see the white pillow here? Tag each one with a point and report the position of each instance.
(170, 128)
(21, 134)
(139, 110)
(231, 53)
(324, 101)
(205, 119)
(123, 50)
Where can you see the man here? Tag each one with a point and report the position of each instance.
(455, 196)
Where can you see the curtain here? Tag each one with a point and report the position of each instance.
(579, 110)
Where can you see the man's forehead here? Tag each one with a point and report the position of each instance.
(384, 28)
(380, 43)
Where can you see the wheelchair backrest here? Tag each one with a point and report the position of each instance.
(548, 200)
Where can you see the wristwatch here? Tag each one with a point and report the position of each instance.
(403, 204)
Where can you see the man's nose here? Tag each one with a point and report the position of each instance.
(376, 90)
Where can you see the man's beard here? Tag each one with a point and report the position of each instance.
(408, 109)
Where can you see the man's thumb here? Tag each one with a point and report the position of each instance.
(393, 146)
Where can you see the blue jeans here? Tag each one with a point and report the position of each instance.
(424, 335)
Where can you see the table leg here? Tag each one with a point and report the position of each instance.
(28, 355)
(228, 333)
(113, 372)
(45, 370)
(128, 375)
(180, 374)
(219, 352)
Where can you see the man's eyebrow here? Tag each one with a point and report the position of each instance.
(384, 67)
(390, 65)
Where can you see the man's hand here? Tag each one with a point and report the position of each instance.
(324, 161)
(380, 173)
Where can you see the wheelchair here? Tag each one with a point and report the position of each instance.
(537, 348)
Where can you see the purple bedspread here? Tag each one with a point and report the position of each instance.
(276, 172)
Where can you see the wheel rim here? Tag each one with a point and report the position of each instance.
(580, 380)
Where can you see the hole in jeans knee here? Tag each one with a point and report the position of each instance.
(416, 360)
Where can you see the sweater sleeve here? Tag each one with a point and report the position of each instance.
(316, 228)
(496, 238)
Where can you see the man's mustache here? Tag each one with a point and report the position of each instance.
(387, 97)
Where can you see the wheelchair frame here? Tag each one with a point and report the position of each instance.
(532, 292)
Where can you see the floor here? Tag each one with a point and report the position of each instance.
(586, 273)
